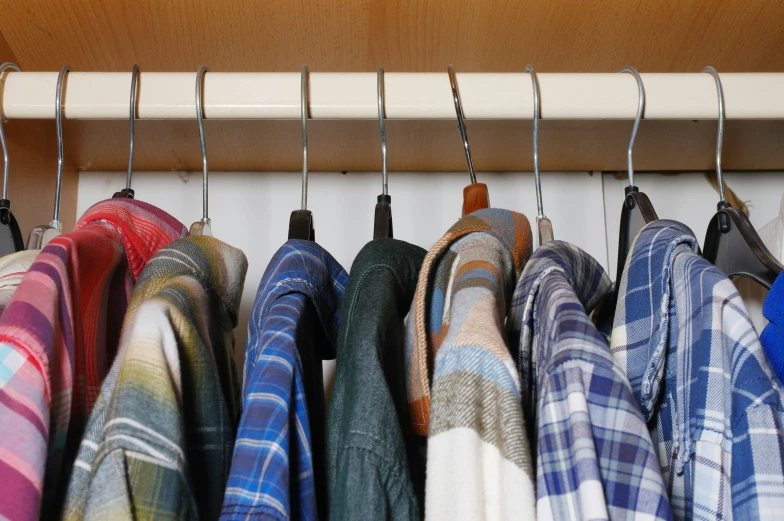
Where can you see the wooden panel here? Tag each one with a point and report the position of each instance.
(336, 145)
(32, 178)
(401, 35)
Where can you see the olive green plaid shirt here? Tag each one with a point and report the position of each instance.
(160, 439)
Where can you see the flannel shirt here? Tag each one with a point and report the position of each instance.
(58, 336)
(279, 467)
(159, 442)
(594, 456)
(12, 270)
(478, 461)
(701, 378)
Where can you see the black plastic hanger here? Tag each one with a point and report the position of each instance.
(10, 235)
(637, 209)
(475, 196)
(127, 192)
(382, 222)
(301, 221)
(203, 226)
(731, 242)
(545, 227)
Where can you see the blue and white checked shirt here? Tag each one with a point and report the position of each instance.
(702, 380)
(278, 470)
(594, 456)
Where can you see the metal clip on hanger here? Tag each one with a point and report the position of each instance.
(204, 226)
(10, 235)
(382, 223)
(475, 196)
(127, 192)
(41, 235)
(731, 242)
(543, 223)
(637, 209)
(301, 221)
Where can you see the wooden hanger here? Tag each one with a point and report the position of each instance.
(41, 235)
(475, 196)
(301, 221)
(204, 226)
(382, 220)
(127, 192)
(731, 242)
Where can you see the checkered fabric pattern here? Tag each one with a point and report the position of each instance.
(273, 475)
(594, 456)
(702, 380)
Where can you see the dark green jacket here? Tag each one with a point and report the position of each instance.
(374, 464)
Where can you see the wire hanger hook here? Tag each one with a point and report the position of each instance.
(637, 119)
(205, 172)
(381, 117)
(543, 223)
(720, 133)
(304, 110)
(5, 204)
(461, 121)
(127, 192)
(56, 224)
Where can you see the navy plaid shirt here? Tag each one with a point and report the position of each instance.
(594, 456)
(702, 380)
(275, 467)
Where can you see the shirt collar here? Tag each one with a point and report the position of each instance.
(304, 267)
(645, 291)
(143, 229)
(220, 268)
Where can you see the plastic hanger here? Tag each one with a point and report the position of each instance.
(204, 226)
(382, 223)
(731, 242)
(41, 235)
(543, 224)
(10, 235)
(301, 221)
(637, 209)
(475, 196)
(127, 192)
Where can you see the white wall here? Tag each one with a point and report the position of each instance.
(251, 210)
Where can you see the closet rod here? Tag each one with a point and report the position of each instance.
(583, 96)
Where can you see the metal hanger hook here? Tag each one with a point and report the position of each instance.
(720, 133)
(637, 119)
(58, 114)
(537, 179)
(3, 68)
(200, 117)
(132, 118)
(381, 117)
(461, 121)
(304, 107)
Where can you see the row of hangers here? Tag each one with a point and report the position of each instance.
(731, 242)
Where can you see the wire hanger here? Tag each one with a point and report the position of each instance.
(475, 196)
(301, 221)
(731, 242)
(127, 192)
(41, 235)
(637, 209)
(382, 223)
(10, 235)
(204, 226)
(543, 223)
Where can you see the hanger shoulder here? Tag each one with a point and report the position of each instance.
(740, 252)
(301, 225)
(637, 211)
(475, 197)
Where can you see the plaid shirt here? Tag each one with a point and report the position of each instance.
(58, 335)
(594, 456)
(702, 380)
(159, 442)
(278, 470)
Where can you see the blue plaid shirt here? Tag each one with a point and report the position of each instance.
(594, 456)
(702, 380)
(275, 470)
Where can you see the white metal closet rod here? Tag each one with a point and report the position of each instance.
(99, 95)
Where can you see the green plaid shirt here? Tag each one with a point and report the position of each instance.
(160, 439)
